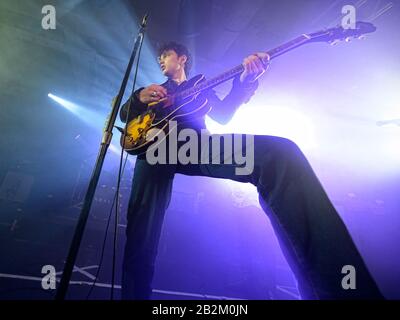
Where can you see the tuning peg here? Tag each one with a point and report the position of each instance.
(362, 37)
(348, 39)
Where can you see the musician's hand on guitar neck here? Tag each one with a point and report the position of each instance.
(254, 66)
(152, 93)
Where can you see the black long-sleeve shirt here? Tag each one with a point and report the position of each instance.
(222, 110)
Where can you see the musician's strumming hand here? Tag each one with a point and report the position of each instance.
(152, 93)
(254, 66)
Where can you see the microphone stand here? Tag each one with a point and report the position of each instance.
(105, 142)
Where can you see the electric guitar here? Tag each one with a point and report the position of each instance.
(188, 101)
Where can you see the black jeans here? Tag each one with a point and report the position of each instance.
(311, 234)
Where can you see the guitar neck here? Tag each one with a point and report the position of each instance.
(232, 73)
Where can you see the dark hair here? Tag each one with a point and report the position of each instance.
(180, 50)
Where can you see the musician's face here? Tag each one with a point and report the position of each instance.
(171, 63)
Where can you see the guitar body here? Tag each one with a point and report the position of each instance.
(139, 131)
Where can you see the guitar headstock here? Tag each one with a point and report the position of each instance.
(333, 35)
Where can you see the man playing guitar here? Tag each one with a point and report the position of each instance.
(311, 234)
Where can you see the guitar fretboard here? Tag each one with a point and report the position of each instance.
(232, 73)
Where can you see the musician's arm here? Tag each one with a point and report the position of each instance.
(243, 88)
(223, 110)
(136, 105)
(140, 99)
